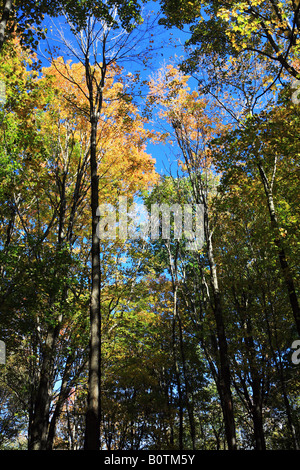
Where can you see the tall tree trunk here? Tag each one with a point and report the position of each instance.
(257, 418)
(40, 419)
(92, 431)
(63, 395)
(39, 426)
(287, 275)
(224, 368)
(253, 405)
(200, 195)
(173, 263)
(189, 404)
(256, 378)
(224, 376)
(257, 390)
(93, 414)
(177, 374)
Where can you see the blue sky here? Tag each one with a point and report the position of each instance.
(167, 46)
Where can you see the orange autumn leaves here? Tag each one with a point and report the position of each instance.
(123, 163)
(47, 118)
(189, 114)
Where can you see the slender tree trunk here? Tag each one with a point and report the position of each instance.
(200, 194)
(259, 434)
(224, 369)
(176, 365)
(40, 420)
(65, 236)
(177, 373)
(287, 275)
(177, 318)
(254, 404)
(63, 394)
(93, 413)
(254, 407)
(257, 398)
(92, 432)
(40, 423)
(189, 404)
(225, 378)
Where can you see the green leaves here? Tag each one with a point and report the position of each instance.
(29, 17)
(229, 29)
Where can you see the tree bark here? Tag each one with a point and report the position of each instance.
(224, 382)
(177, 374)
(40, 417)
(92, 432)
(287, 275)
(224, 376)
(257, 390)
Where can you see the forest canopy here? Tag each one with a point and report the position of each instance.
(149, 225)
